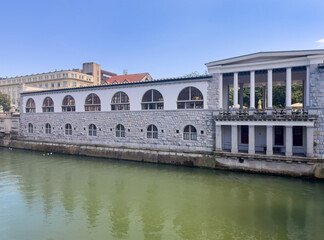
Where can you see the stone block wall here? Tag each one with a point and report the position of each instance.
(170, 126)
(316, 107)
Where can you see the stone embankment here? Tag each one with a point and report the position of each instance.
(278, 165)
(258, 163)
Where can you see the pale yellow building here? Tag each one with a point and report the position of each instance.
(89, 75)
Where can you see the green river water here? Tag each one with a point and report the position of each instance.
(69, 197)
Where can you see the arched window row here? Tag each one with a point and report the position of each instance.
(68, 104)
(188, 98)
(120, 101)
(48, 105)
(152, 132)
(30, 106)
(152, 99)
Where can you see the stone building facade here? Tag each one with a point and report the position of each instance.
(170, 122)
(88, 76)
(194, 114)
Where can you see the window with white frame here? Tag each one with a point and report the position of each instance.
(120, 101)
(48, 129)
(92, 130)
(30, 106)
(30, 128)
(120, 130)
(152, 99)
(190, 97)
(48, 105)
(152, 131)
(68, 129)
(68, 104)
(92, 103)
(189, 133)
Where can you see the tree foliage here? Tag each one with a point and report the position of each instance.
(5, 102)
(278, 96)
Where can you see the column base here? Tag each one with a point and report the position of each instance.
(288, 154)
(310, 155)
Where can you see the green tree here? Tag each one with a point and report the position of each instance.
(4, 102)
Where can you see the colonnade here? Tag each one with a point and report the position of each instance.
(236, 86)
(269, 139)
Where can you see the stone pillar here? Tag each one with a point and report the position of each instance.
(310, 141)
(225, 96)
(269, 140)
(251, 140)
(307, 88)
(269, 106)
(218, 138)
(288, 88)
(235, 93)
(252, 90)
(234, 139)
(241, 95)
(220, 91)
(289, 140)
(264, 104)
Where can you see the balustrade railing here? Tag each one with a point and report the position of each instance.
(298, 114)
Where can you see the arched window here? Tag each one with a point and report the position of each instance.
(190, 97)
(120, 130)
(48, 129)
(68, 104)
(152, 131)
(48, 105)
(92, 130)
(92, 103)
(120, 101)
(30, 128)
(189, 133)
(30, 105)
(152, 99)
(68, 129)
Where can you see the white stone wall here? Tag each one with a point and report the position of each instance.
(169, 91)
(170, 126)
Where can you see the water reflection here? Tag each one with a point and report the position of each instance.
(123, 200)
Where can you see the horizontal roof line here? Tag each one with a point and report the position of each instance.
(123, 84)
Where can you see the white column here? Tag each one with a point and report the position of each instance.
(241, 95)
(251, 140)
(235, 94)
(289, 138)
(220, 91)
(310, 141)
(288, 88)
(252, 90)
(269, 89)
(307, 86)
(234, 139)
(269, 140)
(218, 138)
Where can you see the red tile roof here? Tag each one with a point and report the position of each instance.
(128, 78)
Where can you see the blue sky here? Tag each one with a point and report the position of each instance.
(168, 38)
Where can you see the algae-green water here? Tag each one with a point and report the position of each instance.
(69, 197)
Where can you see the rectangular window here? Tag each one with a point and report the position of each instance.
(297, 136)
(46, 85)
(40, 85)
(74, 84)
(65, 84)
(245, 134)
(58, 84)
(279, 135)
(52, 85)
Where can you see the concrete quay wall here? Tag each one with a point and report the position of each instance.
(278, 165)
